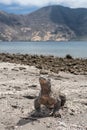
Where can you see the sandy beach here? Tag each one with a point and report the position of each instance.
(19, 86)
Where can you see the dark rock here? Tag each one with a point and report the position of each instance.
(22, 68)
(14, 106)
(68, 56)
(30, 96)
(32, 86)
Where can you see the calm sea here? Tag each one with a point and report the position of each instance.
(75, 49)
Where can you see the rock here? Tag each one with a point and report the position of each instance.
(22, 68)
(14, 106)
(32, 86)
(54, 64)
(84, 102)
(39, 66)
(44, 72)
(15, 69)
(30, 96)
(17, 88)
(71, 112)
(48, 125)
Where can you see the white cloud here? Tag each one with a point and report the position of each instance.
(39, 3)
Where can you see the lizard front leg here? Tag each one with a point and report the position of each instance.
(37, 105)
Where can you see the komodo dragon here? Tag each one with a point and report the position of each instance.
(45, 98)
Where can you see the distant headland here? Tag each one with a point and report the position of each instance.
(51, 23)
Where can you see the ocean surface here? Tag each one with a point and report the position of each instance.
(76, 49)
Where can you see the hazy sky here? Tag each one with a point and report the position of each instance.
(25, 6)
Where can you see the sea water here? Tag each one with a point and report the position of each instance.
(77, 49)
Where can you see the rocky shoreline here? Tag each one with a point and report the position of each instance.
(50, 63)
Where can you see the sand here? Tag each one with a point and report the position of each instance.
(19, 86)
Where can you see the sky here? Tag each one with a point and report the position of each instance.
(28, 6)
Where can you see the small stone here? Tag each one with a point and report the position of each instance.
(71, 113)
(32, 86)
(22, 68)
(14, 106)
(44, 72)
(57, 115)
(48, 126)
(16, 127)
(72, 110)
(15, 69)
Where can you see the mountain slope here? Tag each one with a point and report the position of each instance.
(52, 23)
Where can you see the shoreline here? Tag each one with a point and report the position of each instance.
(54, 64)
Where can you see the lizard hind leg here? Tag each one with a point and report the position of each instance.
(55, 111)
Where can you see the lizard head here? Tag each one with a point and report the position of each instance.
(45, 84)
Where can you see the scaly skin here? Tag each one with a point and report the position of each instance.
(46, 99)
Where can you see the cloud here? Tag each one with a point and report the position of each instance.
(40, 3)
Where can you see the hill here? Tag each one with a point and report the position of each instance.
(51, 23)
